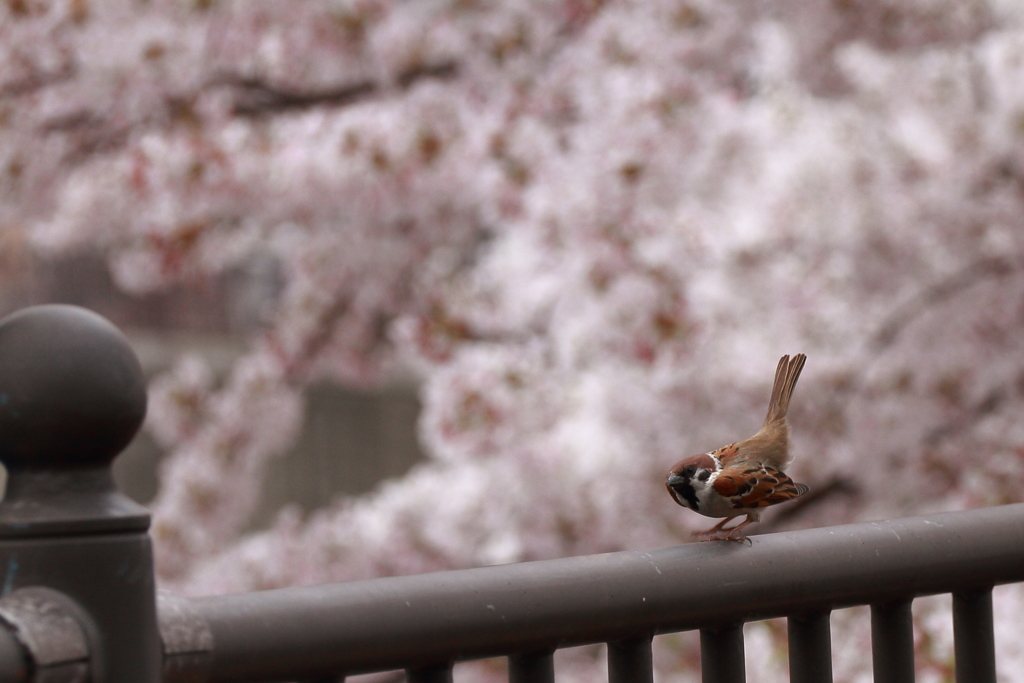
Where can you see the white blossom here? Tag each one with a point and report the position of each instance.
(591, 228)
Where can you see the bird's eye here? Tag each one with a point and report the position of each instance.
(689, 470)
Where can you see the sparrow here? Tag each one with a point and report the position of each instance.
(745, 476)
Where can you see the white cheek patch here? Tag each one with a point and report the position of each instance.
(703, 485)
(712, 504)
(718, 470)
(704, 489)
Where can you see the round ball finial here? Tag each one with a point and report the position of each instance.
(72, 392)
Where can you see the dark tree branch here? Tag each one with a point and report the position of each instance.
(988, 405)
(442, 71)
(939, 292)
(256, 97)
(37, 81)
(252, 97)
(92, 134)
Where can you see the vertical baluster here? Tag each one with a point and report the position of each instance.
(974, 638)
(810, 648)
(532, 667)
(441, 673)
(721, 654)
(629, 661)
(892, 642)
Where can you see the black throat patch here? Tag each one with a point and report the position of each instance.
(684, 490)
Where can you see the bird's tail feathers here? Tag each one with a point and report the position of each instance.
(786, 375)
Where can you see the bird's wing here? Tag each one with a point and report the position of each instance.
(727, 455)
(753, 486)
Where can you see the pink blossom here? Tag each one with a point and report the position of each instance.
(589, 229)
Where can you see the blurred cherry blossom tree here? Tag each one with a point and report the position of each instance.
(590, 227)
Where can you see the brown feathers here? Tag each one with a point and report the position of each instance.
(756, 487)
(745, 476)
(786, 375)
(770, 446)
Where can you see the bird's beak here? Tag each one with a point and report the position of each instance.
(675, 480)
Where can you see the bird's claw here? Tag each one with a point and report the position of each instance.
(721, 536)
(709, 535)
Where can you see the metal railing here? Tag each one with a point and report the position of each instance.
(425, 623)
(79, 604)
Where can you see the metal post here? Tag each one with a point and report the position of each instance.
(13, 666)
(892, 642)
(810, 648)
(629, 661)
(721, 655)
(430, 674)
(532, 667)
(72, 396)
(973, 637)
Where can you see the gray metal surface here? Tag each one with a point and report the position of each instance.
(430, 674)
(186, 638)
(13, 662)
(721, 655)
(386, 624)
(974, 638)
(629, 661)
(72, 391)
(49, 625)
(892, 642)
(72, 395)
(532, 667)
(810, 648)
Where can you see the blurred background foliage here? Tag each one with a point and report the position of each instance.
(424, 285)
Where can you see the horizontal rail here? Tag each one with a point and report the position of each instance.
(426, 620)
